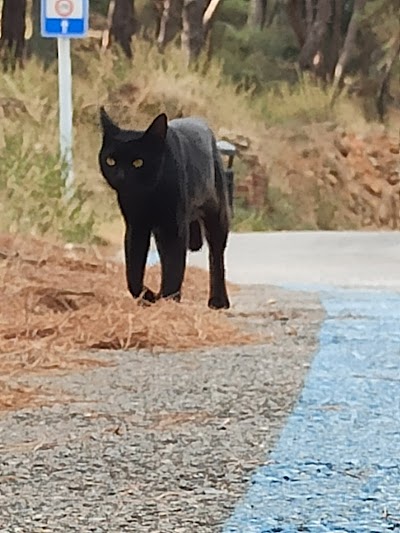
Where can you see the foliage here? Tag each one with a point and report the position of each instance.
(32, 193)
(256, 59)
(307, 101)
(281, 213)
(252, 82)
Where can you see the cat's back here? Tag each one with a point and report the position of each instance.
(195, 127)
(193, 144)
(193, 133)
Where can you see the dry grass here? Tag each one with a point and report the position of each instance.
(19, 396)
(58, 305)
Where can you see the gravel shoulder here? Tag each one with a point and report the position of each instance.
(158, 443)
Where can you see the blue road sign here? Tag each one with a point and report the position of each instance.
(64, 18)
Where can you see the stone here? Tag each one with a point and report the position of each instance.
(373, 187)
(394, 178)
(343, 147)
(332, 179)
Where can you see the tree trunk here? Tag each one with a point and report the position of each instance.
(349, 42)
(45, 49)
(12, 42)
(150, 19)
(336, 38)
(123, 25)
(312, 55)
(309, 14)
(171, 22)
(295, 16)
(384, 83)
(257, 13)
(273, 13)
(192, 29)
(209, 13)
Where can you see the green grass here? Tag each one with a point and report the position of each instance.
(282, 212)
(33, 193)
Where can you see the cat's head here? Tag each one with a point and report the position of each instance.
(130, 160)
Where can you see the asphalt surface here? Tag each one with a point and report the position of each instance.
(158, 443)
(312, 259)
(336, 465)
(199, 441)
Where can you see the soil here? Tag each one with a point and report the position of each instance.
(332, 177)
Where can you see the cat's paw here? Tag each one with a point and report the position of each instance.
(176, 297)
(219, 302)
(147, 296)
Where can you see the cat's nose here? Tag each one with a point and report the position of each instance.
(120, 175)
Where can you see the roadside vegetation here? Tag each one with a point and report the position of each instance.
(258, 81)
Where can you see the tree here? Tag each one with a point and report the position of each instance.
(192, 29)
(12, 42)
(44, 49)
(381, 68)
(313, 52)
(257, 13)
(193, 18)
(349, 41)
(325, 33)
(170, 23)
(123, 25)
(383, 87)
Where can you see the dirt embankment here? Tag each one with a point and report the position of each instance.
(335, 179)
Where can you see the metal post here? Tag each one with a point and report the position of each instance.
(65, 111)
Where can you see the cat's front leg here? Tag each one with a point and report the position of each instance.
(172, 250)
(137, 244)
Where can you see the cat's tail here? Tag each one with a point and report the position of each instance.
(195, 236)
(221, 183)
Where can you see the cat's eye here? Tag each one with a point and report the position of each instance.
(110, 161)
(137, 163)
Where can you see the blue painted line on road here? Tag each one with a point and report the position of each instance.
(336, 465)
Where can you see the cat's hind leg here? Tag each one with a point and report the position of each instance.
(216, 231)
(195, 236)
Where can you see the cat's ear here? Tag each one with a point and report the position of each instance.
(109, 128)
(158, 128)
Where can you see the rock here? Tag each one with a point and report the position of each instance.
(330, 159)
(343, 147)
(309, 174)
(374, 188)
(341, 131)
(375, 163)
(384, 213)
(330, 126)
(394, 178)
(310, 152)
(332, 179)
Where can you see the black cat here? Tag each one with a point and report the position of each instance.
(170, 182)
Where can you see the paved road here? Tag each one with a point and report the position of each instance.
(336, 464)
(347, 259)
(167, 443)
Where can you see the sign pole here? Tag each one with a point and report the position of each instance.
(65, 20)
(65, 111)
